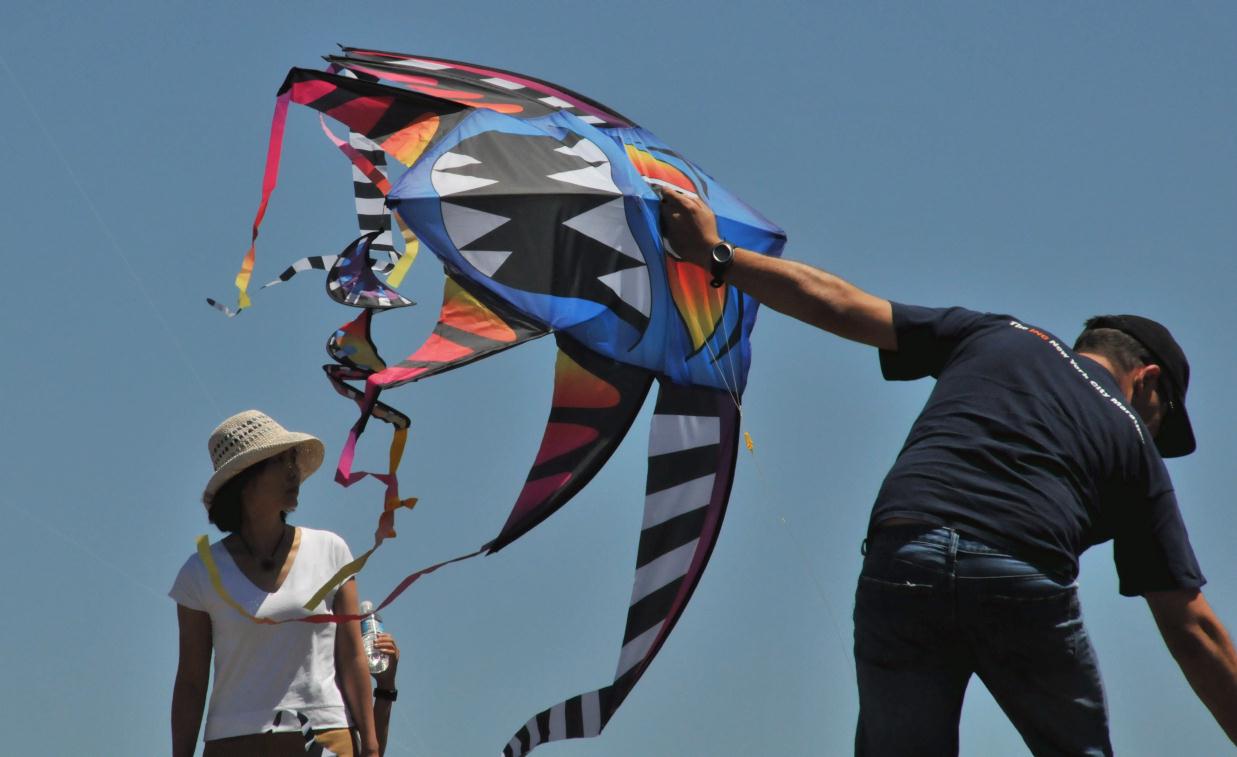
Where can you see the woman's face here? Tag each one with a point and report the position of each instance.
(276, 484)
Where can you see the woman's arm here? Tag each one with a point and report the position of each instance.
(192, 676)
(385, 680)
(352, 669)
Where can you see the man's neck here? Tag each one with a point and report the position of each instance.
(1122, 378)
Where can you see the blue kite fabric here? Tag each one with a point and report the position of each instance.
(542, 206)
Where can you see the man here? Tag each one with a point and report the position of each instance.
(1025, 454)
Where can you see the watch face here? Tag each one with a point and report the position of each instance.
(723, 252)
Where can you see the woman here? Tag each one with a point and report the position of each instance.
(276, 686)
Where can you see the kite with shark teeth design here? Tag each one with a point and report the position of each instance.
(541, 205)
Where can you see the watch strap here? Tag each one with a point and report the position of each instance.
(722, 257)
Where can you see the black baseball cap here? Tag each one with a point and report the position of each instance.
(1176, 437)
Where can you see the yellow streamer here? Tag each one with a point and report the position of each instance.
(386, 523)
(398, 440)
(212, 570)
(747, 441)
(341, 575)
(412, 246)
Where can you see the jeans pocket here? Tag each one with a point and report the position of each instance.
(1041, 626)
(905, 586)
(904, 565)
(898, 624)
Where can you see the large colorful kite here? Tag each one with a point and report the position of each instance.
(540, 203)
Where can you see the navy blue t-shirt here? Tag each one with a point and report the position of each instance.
(1033, 448)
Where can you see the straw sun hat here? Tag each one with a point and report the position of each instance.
(251, 437)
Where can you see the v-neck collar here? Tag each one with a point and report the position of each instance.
(284, 569)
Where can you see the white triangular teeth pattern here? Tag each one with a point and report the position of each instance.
(467, 225)
(608, 224)
(453, 160)
(449, 183)
(586, 149)
(486, 261)
(590, 178)
(632, 287)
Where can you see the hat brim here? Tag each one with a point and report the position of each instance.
(309, 455)
(1176, 437)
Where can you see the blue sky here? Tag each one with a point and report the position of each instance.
(1048, 160)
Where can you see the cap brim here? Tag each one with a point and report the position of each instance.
(1176, 437)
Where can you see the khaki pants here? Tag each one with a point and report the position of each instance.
(338, 740)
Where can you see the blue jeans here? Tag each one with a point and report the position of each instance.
(933, 607)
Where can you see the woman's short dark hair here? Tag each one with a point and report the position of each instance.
(224, 509)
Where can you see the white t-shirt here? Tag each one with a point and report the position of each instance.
(260, 669)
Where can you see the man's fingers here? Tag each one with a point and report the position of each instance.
(670, 195)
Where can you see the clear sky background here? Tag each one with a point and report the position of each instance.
(1048, 160)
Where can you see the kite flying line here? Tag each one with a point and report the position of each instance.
(116, 250)
(765, 488)
(84, 549)
(111, 238)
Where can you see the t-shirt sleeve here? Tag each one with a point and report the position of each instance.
(1150, 545)
(927, 338)
(339, 555)
(342, 554)
(186, 588)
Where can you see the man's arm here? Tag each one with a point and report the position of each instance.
(1202, 647)
(795, 289)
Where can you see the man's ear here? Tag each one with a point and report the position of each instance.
(1146, 379)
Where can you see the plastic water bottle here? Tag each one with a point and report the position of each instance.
(371, 626)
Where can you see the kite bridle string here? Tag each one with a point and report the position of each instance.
(730, 379)
(731, 383)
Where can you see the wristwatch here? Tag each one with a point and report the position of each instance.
(388, 694)
(722, 258)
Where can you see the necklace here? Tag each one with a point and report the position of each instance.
(266, 563)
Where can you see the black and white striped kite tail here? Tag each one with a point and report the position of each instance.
(692, 447)
(578, 718)
(312, 747)
(321, 263)
(372, 213)
(313, 262)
